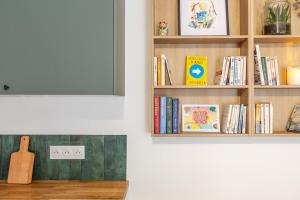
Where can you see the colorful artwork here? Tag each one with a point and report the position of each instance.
(203, 14)
(203, 17)
(200, 118)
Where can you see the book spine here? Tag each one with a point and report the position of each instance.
(267, 118)
(244, 70)
(264, 67)
(169, 115)
(163, 70)
(240, 126)
(237, 117)
(225, 118)
(175, 116)
(271, 118)
(244, 120)
(223, 78)
(257, 118)
(163, 115)
(231, 77)
(156, 115)
(237, 70)
(269, 70)
(277, 71)
(262, 118)
(155, 71)
(273, 71)
(159, 71)
(226, 74)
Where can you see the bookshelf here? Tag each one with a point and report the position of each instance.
(245, 24)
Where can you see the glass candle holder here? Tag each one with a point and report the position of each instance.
(277, 17)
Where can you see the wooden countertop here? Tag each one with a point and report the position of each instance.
(58, 190)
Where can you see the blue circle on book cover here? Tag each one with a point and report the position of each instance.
(196, 71)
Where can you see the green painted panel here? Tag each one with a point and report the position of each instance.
(57, 46)
(105, 157)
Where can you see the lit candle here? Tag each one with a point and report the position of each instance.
(293, 75)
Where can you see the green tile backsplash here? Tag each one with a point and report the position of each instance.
(105, 157)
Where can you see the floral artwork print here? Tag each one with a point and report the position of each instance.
(203, 14)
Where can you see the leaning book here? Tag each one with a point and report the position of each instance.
(200, 118)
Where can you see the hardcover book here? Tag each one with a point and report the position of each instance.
(163, 115)
(169, 115)
(196, 70)
(156, 115)
(200, 118)
(175, 116)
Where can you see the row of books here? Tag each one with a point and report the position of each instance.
(233, 72)
(266, 69)
(166, 115)
(161, 71)
(264, 118)
(234, 119)
(293, 123)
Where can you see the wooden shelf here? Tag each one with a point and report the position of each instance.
(277, 87)
(199, 39)
(277, 39)
(201, 87)
(200, 135)
(279, 134)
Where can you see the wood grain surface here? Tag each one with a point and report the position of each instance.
(58, 190)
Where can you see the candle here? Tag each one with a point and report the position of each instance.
(293, 75)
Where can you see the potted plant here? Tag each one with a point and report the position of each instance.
(277, 17)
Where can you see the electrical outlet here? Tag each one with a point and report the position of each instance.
(67, 152)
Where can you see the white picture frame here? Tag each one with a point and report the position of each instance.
(203, 17)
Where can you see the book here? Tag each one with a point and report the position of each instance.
(155, 71)
(267, 118)
(227, 67)
(226, 118)
(169, 115)
(257, 118)
(196, 70)
(163, 115)
(159, 71)
(156, 115)
(241, 115)
(231, 74)
(163, 70)
(258, 65)
(200, 118)
(169, 72)
(264, 68)
(244, 70)
(277, 71)
(175, 116)
(244, 120)
(234, 119)
(262, 117)
(271, 118)
(269, 71)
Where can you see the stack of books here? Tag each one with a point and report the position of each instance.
(234, 119)
(266, 69)
(293, 124)
(161, 71)
(264, 118)
(166, 115)
(233, 72)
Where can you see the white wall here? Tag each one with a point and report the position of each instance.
(162, 169)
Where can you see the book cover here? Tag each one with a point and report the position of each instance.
(175, 116)
(169, 115)
(155, 71)
(163, 70)
(159, 71)
(163, 115)
(196, 70)
(269, 70)
(156, 115)
(200, 118)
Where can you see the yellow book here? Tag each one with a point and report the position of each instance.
(196, 70)
(159, 71)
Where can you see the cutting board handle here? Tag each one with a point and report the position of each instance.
(24, 144)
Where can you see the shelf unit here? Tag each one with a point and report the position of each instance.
(245, 24)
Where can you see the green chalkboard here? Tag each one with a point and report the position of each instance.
(57, 47)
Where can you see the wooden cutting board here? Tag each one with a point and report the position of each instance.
(21, 164)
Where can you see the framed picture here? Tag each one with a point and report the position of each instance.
(203, 17)
(200, 118)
